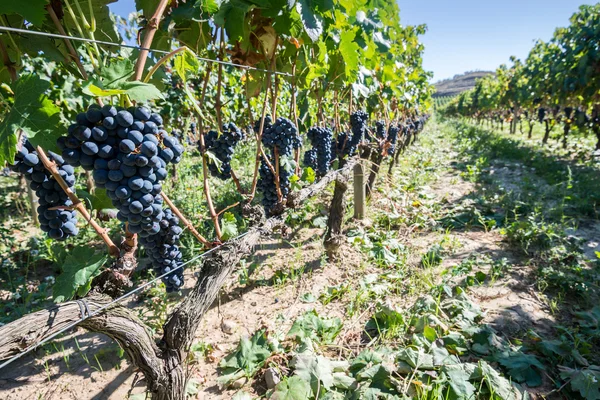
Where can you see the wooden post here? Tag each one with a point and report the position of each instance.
(360, 195)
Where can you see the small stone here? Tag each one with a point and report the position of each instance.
(253, 304)
(239, 383)
(228, 326)
(272, 377)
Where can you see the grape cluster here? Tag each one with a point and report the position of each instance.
(380, 130)
(541, 114)
(266, 185)
(392, 138)
(358, 123)
(282, 135)
(310, 158)
(60, 224)
(163, 250)
(128, 151)
(223, 146)
(341, 144)
(321, 139)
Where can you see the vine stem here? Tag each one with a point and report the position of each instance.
(229, 207)
(70, 47)
(259, 150)
(163, 60)
(77, 204)
(220, 81)
(148, 37)
(294, 112)
(237, 182)
(277, 182)
(211, 208)
(185, 221)
(78, 27)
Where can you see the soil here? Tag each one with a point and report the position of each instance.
(90, 366)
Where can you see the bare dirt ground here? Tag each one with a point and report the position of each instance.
(88, 366)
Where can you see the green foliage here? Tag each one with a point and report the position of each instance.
(78, 270)
(292, 388)
(312, 327)
(31, 113)
(246, 359)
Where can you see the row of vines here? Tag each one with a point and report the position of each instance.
(97, 111)
(558, 84)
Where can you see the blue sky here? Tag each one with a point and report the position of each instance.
(465, 35)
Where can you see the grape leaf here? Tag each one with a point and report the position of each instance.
(313, 25)
(232, 15)
(33, 11)
(308, 175)
(186, 64)
(458, 378)
(97, 201)
(246, 360)
(584, 381)
(77, 273)
(95, 91)
(314, 369)
(229, 226)
(142, 92)
(293, 388)
(33, 113)
(116, 73)
(350, 52)
(521, 367)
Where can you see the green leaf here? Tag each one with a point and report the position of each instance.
(34, 114)
(416, 358)
(313, 25)
(350, 52)
(314, 327)
(210, 6)
(314, 369)
(309, 175)
(246, 360)
(458, 379)
(522, 367)
(78, 271)
(116, 73)
(95, 91)
(33, 11)
(142, 92)
(232, 15)
(585, 381)
(229, 226)
(186, 64)
(97, 201)
(213, 159)
(292, 388)
(308, 298)
(496, 383)
(342, 381)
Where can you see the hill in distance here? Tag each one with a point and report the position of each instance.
(458, 84)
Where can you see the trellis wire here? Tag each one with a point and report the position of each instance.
(130, 46)
(117, 300)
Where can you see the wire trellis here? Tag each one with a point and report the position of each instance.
(121, 298)
(131, 46)
(117, 300)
